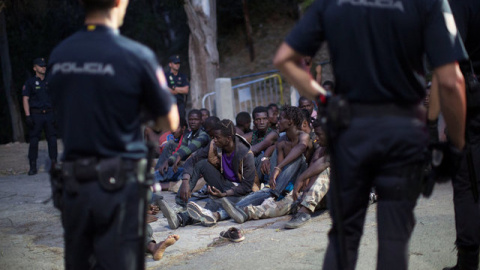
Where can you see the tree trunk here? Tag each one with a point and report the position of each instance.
(202, 51)
(248, 29)
(12, 100)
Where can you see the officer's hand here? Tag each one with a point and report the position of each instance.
(29, 121)
(185, 193)
(265, 167)
(445, 161)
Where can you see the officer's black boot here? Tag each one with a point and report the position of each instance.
(467, 260)
(33, 167)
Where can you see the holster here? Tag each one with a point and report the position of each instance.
(57, 185)
(338, 115)
(472, 86)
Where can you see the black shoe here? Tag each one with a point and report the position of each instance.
(298, 220)
(233, 211)
(451, 268)
(169, 214)
(33, 168)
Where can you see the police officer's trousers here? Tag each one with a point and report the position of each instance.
(374, 151)
(103, 229)
(43, 121)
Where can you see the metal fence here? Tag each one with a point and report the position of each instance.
(250, 94)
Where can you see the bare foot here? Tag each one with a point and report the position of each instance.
(158, 249)
(151, 218)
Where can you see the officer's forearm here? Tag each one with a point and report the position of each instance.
(26, 106)
(182, 90)
(168, 122)
(452, 101)
(287, 61)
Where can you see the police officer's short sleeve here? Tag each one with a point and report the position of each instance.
(307, 36)
(442, 40)
(26, 89)
(157, 99)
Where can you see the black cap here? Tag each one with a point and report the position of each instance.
(40, 62)
(174, 59)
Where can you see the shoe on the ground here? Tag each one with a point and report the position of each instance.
(202, 193)
(201, 214)
(298, 220)
(451, 268)
(169, 214)
(233, 234)
(233, 211)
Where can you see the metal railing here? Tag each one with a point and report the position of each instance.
(250, 94)
(259, 92)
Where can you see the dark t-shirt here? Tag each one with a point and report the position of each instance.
(101, 84)
(37, 92)
(377, 46)
(180, 80)
(467, 18)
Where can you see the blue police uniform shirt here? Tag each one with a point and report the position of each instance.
(37, 92)
(467, 18)
(377, 47)
(101, 84)
(179, 80)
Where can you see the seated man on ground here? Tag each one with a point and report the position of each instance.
(205, 114)
(196, 138)
(151, 246)
(314, 182)
(243, 122)
(269, 161)
(307, 104)
(262, 137)
(273, 112)
(228, 167)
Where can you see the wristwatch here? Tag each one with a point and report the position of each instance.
(264, 158)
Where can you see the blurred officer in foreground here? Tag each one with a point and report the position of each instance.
(38, 109)
(466, 183)
(376, 134)
(103, 83)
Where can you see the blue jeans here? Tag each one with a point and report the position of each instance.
(288, 175)
(169, 175)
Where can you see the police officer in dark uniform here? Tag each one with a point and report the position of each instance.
(376, 135)
(177, 83)
(103, 83)
(39, 114)
(466, 185)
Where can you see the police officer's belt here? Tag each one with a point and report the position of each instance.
(389, 109)
(34, 110)
(93, 169)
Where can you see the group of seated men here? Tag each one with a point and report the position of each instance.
(280, 167)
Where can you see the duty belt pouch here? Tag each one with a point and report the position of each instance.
(57, 183)
(473, 90)
(111, 175)
(68, 177)
(338, 114)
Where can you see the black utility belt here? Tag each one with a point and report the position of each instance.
(390, 109)
(111, 173)
(34, 110)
